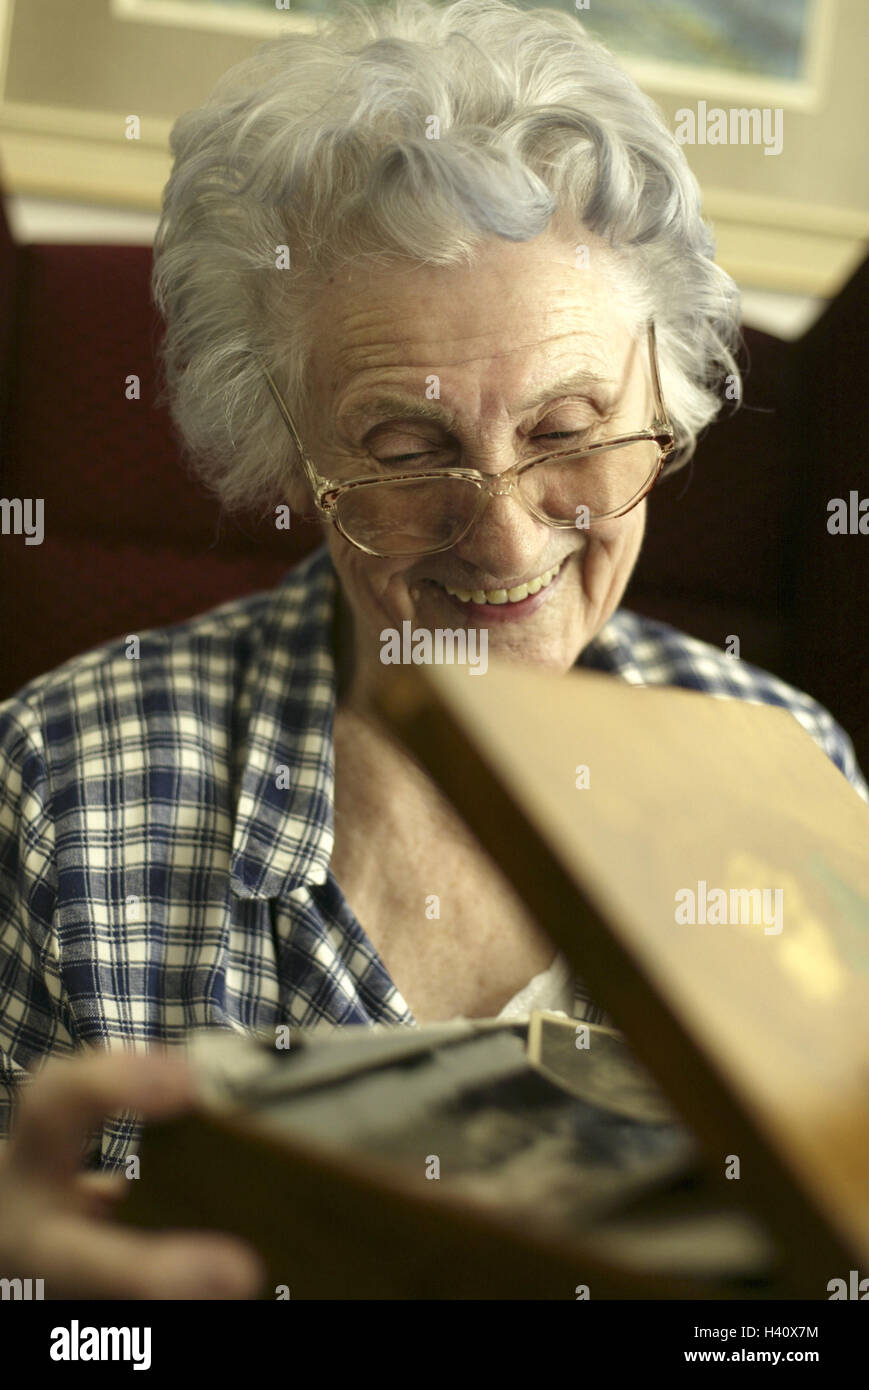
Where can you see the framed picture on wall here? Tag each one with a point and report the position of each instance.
(777, 50)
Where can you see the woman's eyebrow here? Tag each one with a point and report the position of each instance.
(400, 407)
(584, 382)
(397, 405)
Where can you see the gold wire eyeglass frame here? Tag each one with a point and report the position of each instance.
(328, 491)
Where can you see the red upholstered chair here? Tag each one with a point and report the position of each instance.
(738, 545)
(131, 540)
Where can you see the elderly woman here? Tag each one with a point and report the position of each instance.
(439, 279)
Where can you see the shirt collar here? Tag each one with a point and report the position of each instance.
(284, 781)
(617, 649)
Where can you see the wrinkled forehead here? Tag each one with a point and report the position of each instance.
(513, 317)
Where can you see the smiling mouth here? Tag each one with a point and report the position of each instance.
(496, 597)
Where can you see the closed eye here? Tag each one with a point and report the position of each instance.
(580, 438)
(405, 458)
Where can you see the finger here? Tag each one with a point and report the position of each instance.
(86, 1260)
(71, 1095)
(101, 1184)
(99, 1193)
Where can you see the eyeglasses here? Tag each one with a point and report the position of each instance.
(417, 512)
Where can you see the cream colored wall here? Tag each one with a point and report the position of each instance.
(799, 219)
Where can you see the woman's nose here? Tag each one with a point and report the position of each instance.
(505, 539)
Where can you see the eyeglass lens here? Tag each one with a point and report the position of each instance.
(414, 515)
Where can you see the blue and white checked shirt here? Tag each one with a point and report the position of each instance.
(153, 876)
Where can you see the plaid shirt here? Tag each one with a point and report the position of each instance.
(155, 878)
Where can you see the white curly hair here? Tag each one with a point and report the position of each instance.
(319, 144)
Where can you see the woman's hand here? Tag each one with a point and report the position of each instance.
(56, 1222)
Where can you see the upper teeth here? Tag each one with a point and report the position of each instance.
(505, 595)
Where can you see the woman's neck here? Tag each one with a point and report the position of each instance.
(355, 671)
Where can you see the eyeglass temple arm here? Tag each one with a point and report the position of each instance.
(287, 418)
(313, 478)
(660, 408)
